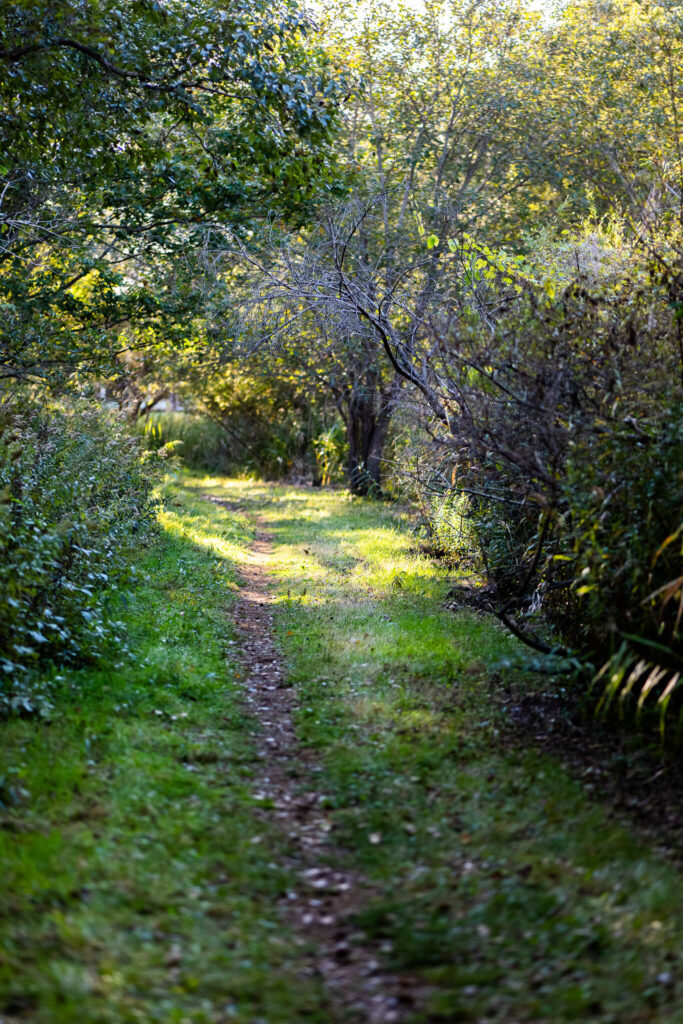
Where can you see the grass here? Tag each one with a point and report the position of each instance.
(498, 879)
(133, 885)
(134, 890)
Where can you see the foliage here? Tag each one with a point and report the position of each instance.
(125, 130)
(268, 420)
(449, 534)
(239, 421)
(609, 73)
(197, 441)
(626, 502)
(549, 373)
(331, 453)
(289, 328)
(75, 493)
(421, 155)
(562, 428)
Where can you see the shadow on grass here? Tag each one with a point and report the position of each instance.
(497, 877)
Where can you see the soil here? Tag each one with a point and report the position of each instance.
(321, 908)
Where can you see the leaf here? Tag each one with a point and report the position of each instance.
(669, 540)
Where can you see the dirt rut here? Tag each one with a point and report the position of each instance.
(320, 909)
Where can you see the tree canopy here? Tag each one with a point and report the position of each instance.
(124, 128)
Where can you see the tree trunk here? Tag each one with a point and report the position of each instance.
(144, 405)
(367, 422)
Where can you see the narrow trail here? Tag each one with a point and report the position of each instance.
(320, 910)
(341, 808)
(439, 863)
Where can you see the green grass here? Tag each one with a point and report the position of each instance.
(133, 890)
(497, 879)
(133, 886)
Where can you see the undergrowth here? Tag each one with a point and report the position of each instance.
(75, 494)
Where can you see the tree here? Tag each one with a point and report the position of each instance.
(607, 90)
(126, 128)
(433, 144)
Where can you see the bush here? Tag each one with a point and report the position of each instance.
(269, 442)
(331, 454)
(565, 437)
(74, 491)
(626, 494)
(582, 455)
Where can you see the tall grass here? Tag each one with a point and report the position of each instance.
(204, 444)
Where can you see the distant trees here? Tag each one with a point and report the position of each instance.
(467, 123)
(433, 143)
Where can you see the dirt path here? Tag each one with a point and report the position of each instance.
(321, 909)
(420, 810)
(411, 813)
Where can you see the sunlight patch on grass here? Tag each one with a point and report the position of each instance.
(496, 878)
(133, 890)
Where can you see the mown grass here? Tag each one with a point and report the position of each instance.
(134, 889)
(137, 883)
(498, 879)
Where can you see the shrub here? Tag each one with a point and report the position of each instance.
(74, 492)
(331, 454)
(271, 443)
(565, 434)
(265, 446)
(626, 494)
